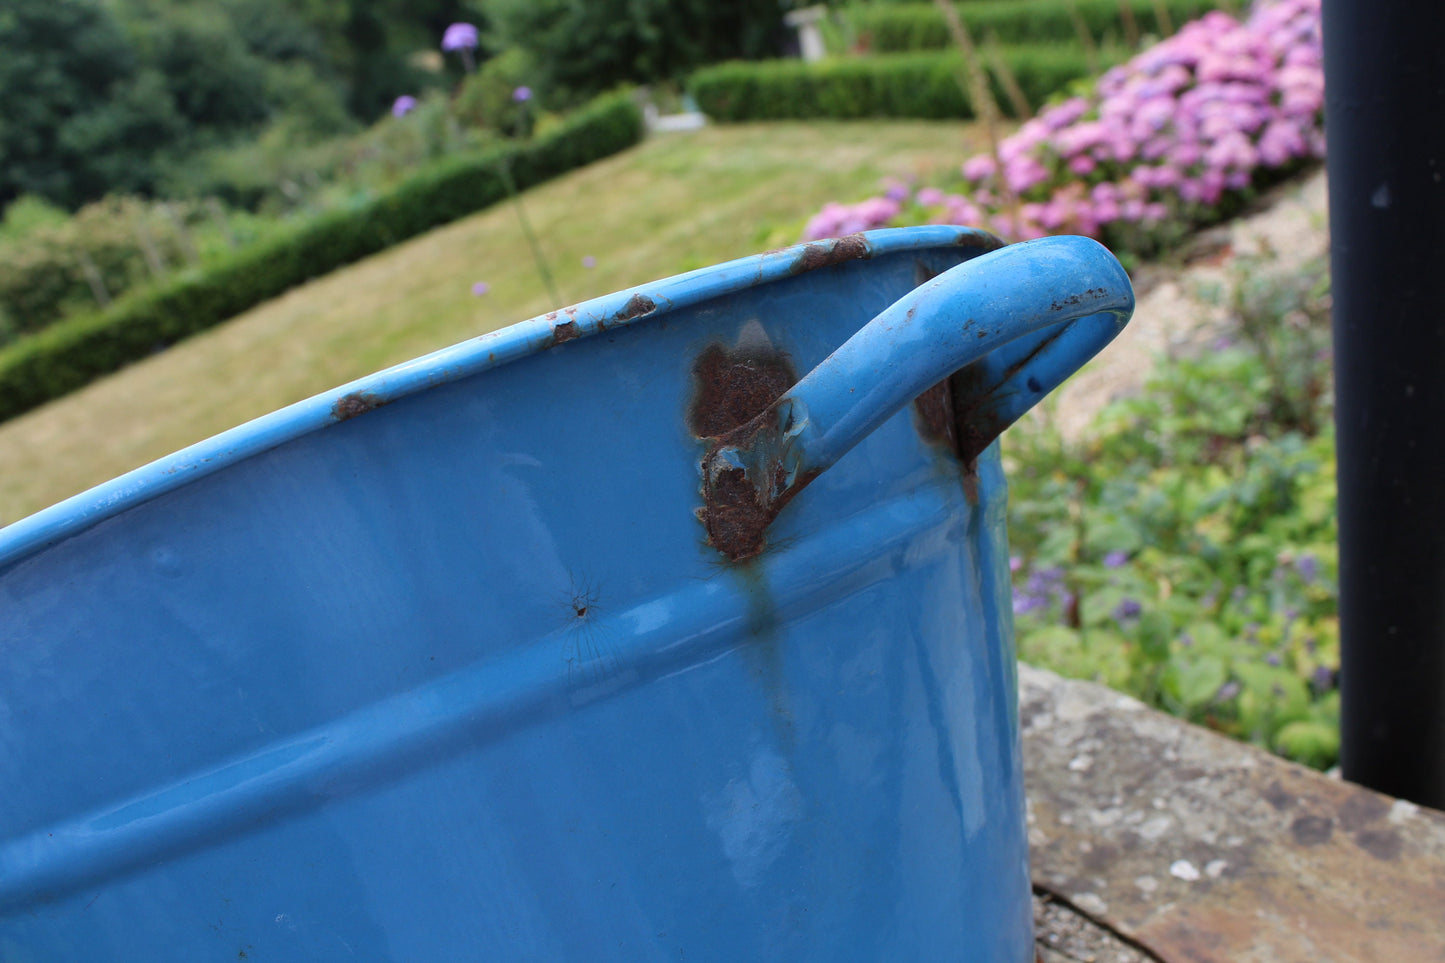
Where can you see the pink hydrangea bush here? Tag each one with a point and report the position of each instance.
(1170, 139)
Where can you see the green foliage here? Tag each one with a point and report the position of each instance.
(924, 85)
(58, 267)
(1186, 552)
(486, 97)
(81, 113)
(73, 352)
(579, 49)
(285, 171)
(890, 28)
(26, 214)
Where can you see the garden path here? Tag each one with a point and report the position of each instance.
(1173, 314)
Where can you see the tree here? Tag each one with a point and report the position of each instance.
(80, 114)
(579, 49)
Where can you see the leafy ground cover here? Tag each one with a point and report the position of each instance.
(672, 204)
(1184, 551)
(1177, 137)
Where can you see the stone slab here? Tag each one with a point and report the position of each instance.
(1195, 848)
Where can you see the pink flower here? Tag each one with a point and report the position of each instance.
(979, 167)
(930, 196)
(481, 288)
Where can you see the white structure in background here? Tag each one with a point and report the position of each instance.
(810, 35)
(668, 123)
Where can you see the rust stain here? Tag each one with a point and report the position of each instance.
(564, 332)
(934, 411)
(977, 424)
(356, 403)
(827, 253)
(732, 387)
(733, 395)
(1074, 300)
(636, 307)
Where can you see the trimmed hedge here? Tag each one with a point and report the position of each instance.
(77, 350)
(893, 28)
(922, 85)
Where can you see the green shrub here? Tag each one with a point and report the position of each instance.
(56, 267)
(924, 85)
(71, 353)
(1185, 551)
(891, 28)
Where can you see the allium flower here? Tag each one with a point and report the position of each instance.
(403, 105)
(460, 36)
(522, 94)
(481, 288)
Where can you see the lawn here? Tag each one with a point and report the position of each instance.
(674, 203)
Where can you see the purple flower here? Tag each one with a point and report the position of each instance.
(522, 94)
(1127, 610)
(1227, 691)
(481, 288)
(589, 262)
(1273, 659)
(403, 105)
(1308, 568)
(930, 196)
(460, 36)
(1115, 559)
(1323, 679)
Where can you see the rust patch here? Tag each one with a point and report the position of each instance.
(636, 307)
(934, 411)
(977, 424)
(1074, 300)
(356, 403)
(731, 388)
(564, 332)
(734, 391)
(827, 253)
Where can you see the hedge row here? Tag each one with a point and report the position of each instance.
(891, 28)
(79, 349)
(924, 85)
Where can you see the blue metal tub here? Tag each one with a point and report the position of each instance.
(575, 641)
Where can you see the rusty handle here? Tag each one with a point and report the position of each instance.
(1017, 321)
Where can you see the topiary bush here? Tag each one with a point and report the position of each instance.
(893, 28)
(921, 85)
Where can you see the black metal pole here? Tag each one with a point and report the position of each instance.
(1385, 122)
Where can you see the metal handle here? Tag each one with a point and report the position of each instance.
(1019, 320)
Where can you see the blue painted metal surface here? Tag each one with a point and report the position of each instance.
(454, 663)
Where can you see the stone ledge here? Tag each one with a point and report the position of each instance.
(1196, 848)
